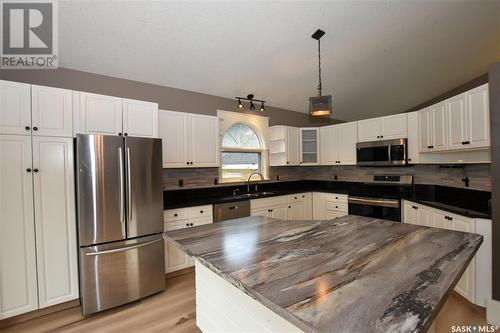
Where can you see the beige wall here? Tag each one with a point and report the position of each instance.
(167, 98)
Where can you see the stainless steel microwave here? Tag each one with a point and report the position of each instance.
(380, 153)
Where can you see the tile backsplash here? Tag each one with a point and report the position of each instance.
(479, 175)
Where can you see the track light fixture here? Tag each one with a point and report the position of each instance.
(251, 99)
(320, 105)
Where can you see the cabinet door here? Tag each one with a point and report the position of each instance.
(173, 130)
(333, 214)
(204, 135)
(456, 118)
(296, 211)
(424, 216)
(100, 114)
(292, 146)
(438, 120)
(478, 117)
(369, 130)
(347, 135)
(175, 257)
(319, 206)
(439, 220)
(307, 203)
(280, 212)
(393, 127)
(309, 146)
(329, 145)
(413, 141)
(55, 220)
(425, 133)
(140, 118)
(466, 285)
(52, 111)
(18, 283)
(408, 214)
(15, 108)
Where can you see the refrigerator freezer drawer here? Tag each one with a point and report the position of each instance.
(121, 272)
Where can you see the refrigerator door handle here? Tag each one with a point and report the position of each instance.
(129, 187)
(126, 248)
(122, 188)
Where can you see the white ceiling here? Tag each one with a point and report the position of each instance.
(378, 57)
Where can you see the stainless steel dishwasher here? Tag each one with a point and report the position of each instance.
(231, 210)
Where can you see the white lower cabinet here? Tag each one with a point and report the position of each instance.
(182, 218)
(471, 280)
(291, 207)
(38, 216)
(318, 206)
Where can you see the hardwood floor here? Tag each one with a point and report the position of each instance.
(173, 311)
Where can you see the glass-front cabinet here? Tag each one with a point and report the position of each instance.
(309, 152)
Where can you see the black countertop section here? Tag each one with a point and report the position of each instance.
(470, 203)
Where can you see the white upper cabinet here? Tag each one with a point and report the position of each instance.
(100, 114)
(383, 128)
(284, 146)
(173, 130)
(15, 110)
(140, 118)
(338, 144)
(369, 130)
(188, 140)
(432, 128)
(52, 111)
(459, 123)
(18, 280)
(309, 146)
(393, 126)
(456, 117)
(478, 117)
(413, 140)
(55, 220)
(204, 135)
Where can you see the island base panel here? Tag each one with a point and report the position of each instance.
(221, 307)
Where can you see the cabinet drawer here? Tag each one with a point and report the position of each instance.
(176, 225)
(175, 214)
(340, 207)
(333, 214)
(200, 211)
(200, 221)
(296, 197)
(333, 197)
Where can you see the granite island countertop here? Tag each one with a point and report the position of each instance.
(351, 274)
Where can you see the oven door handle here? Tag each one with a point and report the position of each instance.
(374, 202)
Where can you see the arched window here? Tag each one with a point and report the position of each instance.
(241, 152)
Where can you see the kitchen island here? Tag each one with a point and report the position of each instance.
(351, 274)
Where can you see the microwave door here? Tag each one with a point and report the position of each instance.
(144, 195)
(101, 190)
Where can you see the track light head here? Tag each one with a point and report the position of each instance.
(262, 106)
(240, 105)
(252, 106)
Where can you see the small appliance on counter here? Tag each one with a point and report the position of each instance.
(120, 219)
(380, 196)
(382, 153)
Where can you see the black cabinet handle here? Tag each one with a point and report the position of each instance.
(378, 136)
(187, 163)
(35, 170)
(187, 224)
(35, 128)
(381, 136)
(466, 143)
(27, 128)
(125, 134)
(414, 207)
(28, 170)
(303, 196)
(289, 206)
(201, 212)
(190, 224)
(120, 134)
(287, 162)
(296, 198)
(336, 206)
(175, 214)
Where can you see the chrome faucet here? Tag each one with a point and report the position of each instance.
(256, 172)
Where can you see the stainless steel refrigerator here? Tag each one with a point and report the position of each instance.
(120, 219)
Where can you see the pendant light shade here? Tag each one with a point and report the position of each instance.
(320, 106)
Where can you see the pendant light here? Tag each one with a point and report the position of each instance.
(320, 105)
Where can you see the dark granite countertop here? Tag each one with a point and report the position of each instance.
(351, 274)
(466, 202)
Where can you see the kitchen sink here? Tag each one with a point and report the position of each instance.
(256, 194)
